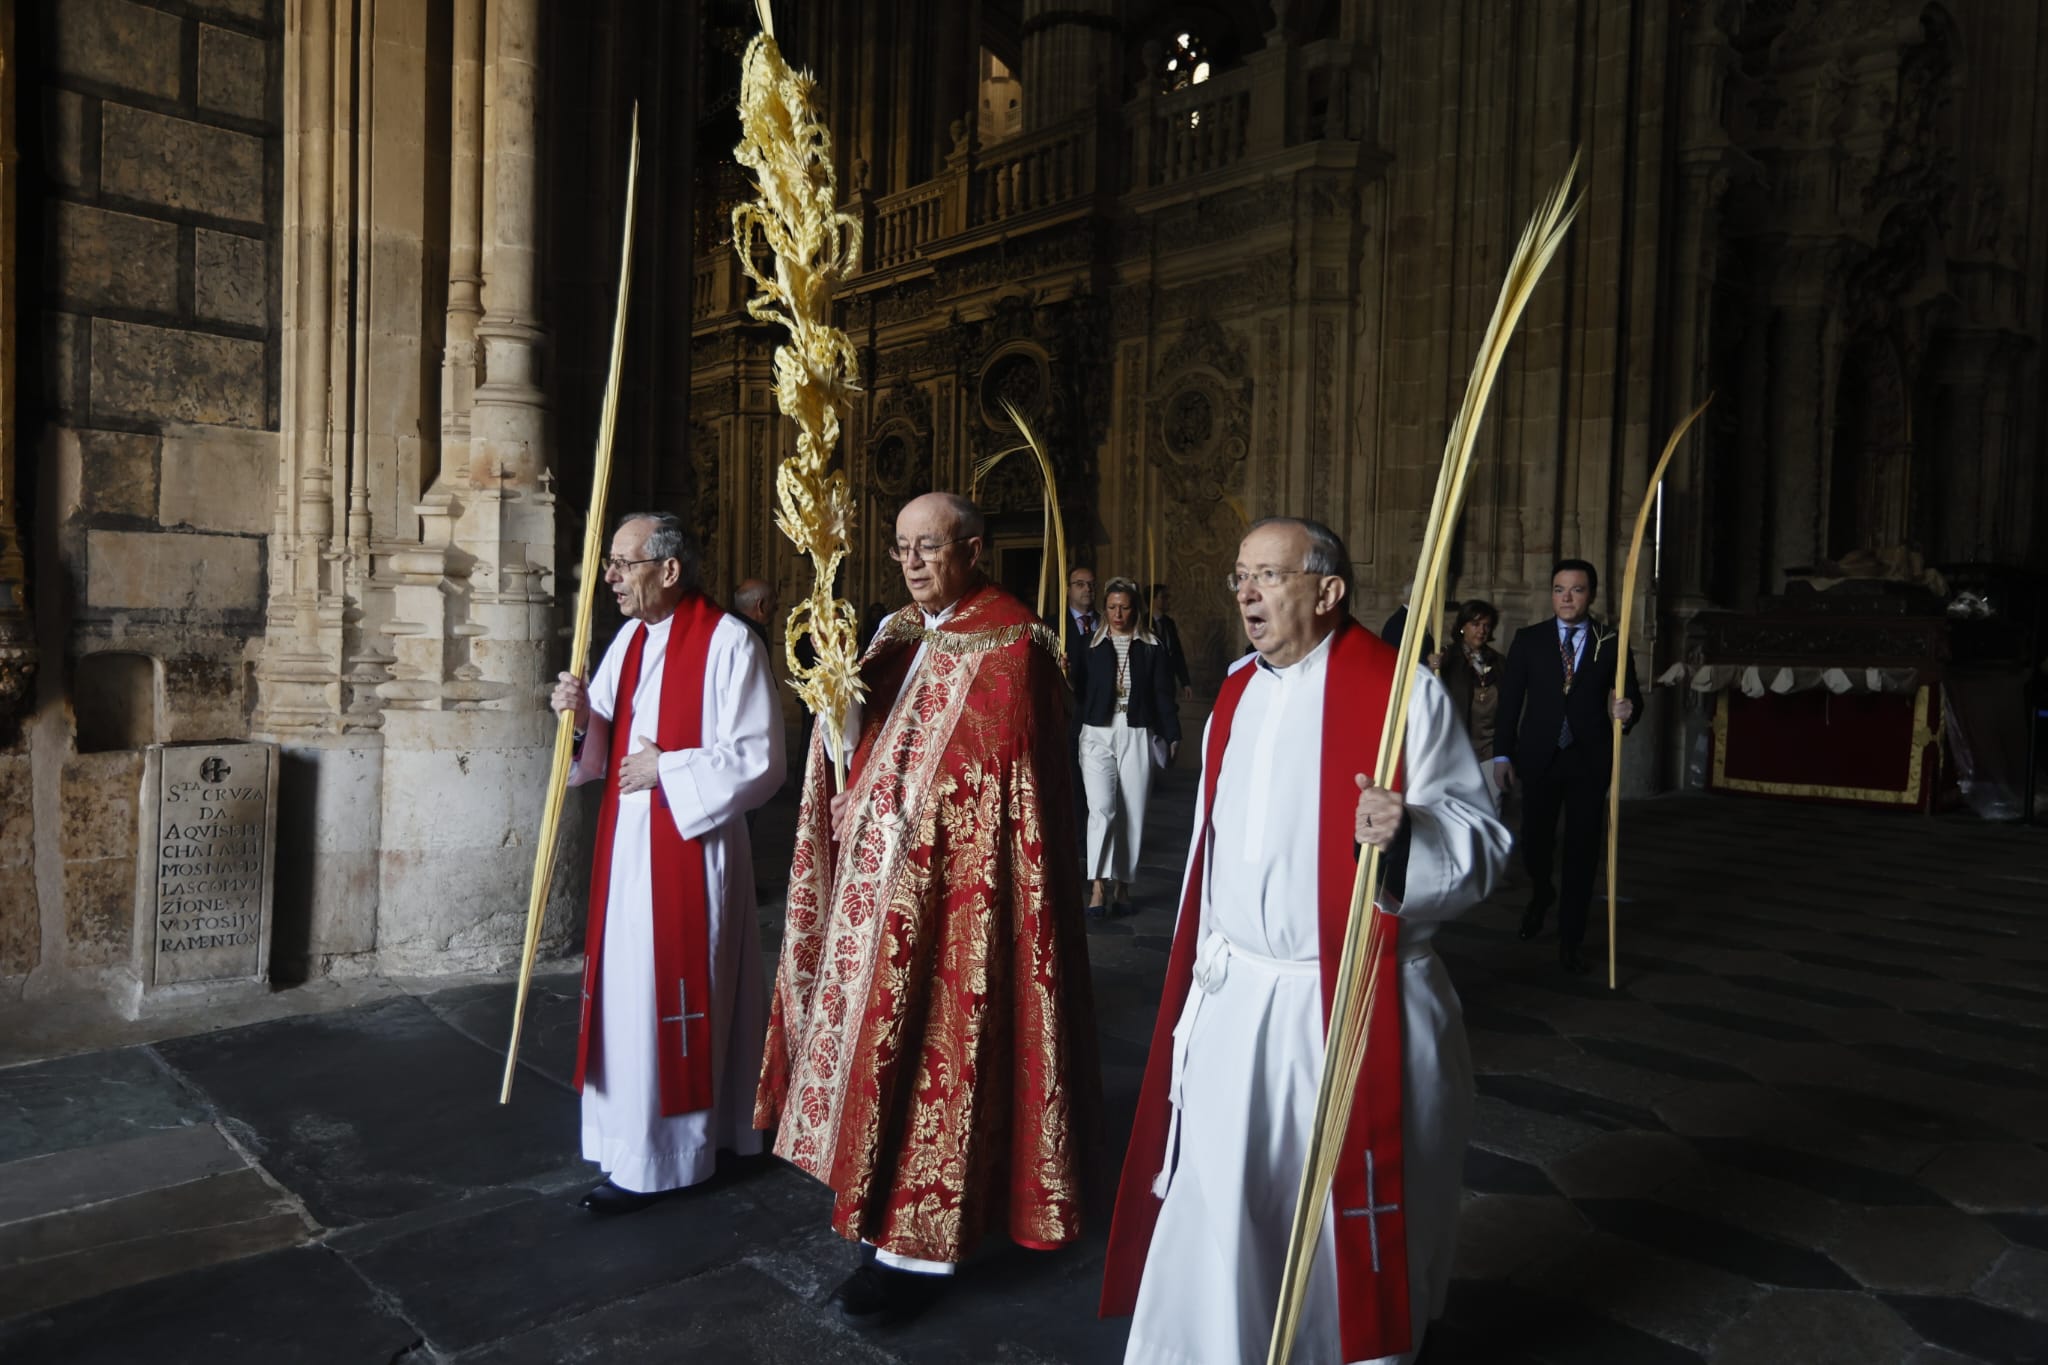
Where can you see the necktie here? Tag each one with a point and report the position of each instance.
(1568, 657)
(1087, 623)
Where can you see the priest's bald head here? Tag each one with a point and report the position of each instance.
(1292, 581)
(938, 543)
(653, 565)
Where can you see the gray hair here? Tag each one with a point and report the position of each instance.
(668, 538)
(1326, 555)
(753, 594)
(967, 518)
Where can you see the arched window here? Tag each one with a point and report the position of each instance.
(1187, 63)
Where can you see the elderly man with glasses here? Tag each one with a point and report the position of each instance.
(681, 725)
(931, 1046)
(1286, 800)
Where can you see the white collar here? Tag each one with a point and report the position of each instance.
(1309, 665)
(933, 620)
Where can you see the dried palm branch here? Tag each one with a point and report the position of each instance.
(1371, 933)
(1055, 557)
(796, 217)
(1628, 615)
(579, 640)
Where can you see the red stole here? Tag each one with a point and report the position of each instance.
(682, 927)
(1372, 1303)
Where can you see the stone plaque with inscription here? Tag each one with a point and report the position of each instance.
(209, 827)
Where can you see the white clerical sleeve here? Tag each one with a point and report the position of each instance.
(1457, 849)
(604, 698)
(740, 765)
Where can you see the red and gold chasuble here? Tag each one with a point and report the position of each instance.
(1372, 1251)
(931, 1046)
(682, 931)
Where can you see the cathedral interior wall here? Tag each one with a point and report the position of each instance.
(149, 192)
(310, 353)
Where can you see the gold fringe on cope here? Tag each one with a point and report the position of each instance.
(905, 627)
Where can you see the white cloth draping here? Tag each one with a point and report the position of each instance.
(1250, 1040)
(709, 790)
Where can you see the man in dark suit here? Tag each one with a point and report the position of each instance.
(1080, 629)
(1398, 622)
(1556, 699)
(1081, 618)
(1168, 632)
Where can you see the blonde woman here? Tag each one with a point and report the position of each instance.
(1126, 701)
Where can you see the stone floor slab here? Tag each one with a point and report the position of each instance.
(379, 1111)
(1915, 1251)
(1991, 1177)
(301, 1306)
(38, 1185)
(1489, 1321)
(87, 1100)
(507, 1271)
(733, 1316)
(1815, 1329)
(547, 1046)
(1974, 1329)
(2018, 1282)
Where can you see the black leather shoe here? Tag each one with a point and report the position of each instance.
(609, 1201)
(875, 1294)
(1569, 959)
(1532, 920)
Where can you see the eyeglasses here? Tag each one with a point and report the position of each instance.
(923, 549)
(617, 565)
(1265, 578)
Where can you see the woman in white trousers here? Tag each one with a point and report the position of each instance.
(1126, 703)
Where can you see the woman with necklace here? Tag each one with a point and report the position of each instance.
(1126, 703)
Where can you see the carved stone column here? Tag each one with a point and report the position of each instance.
(17, 629)
(1802, 405)
(1796, 448)
(508, 523)
(1069, 56)
(1702, 180)
(465, 240)
(468, 706)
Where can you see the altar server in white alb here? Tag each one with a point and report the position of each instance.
(1225, 1116)
(681, 725)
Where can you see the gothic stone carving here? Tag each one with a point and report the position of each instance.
(900, 438)
(1199, 421)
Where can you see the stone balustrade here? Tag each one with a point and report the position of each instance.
(1184, 140)
(1038, 171)
(1189, 133)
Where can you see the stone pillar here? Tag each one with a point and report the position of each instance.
(1702, 180)
(1797, 437)
(465, 242)
(507, 522)
(1968, 478)
(472, 717)
(506, 426)
(1069, 58)
(17, 629)
(298, 683)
